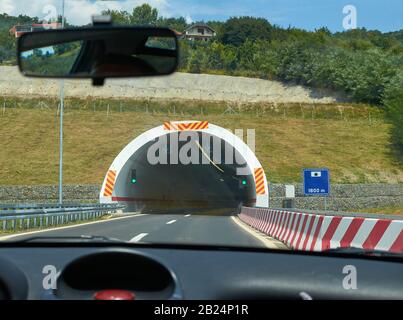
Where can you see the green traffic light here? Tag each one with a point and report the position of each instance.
(134, 181)
(244, 182)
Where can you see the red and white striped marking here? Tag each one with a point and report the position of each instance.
(110, 183)
(186, 126)
(314, 232)
(259, 181)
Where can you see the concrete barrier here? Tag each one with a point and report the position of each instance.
(319, 232)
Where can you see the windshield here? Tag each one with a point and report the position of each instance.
(281, 127)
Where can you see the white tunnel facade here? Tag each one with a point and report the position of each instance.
(115, 185)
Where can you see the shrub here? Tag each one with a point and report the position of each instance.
(393, 102)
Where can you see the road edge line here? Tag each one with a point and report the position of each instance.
(269, 242)
(7, 237)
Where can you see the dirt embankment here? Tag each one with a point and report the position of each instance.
(176, 86)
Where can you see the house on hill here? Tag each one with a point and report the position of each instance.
(199, 31)
(19, 30)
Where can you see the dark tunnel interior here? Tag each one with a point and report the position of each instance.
(209, 181)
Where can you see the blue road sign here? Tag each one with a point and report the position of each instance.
(316, 182)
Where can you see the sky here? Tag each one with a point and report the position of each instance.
(383, 15)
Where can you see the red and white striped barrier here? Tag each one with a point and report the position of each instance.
(315, 232)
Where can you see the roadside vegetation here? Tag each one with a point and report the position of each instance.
(365, 64)
(57, 63)
(352, 140)
(384, 210)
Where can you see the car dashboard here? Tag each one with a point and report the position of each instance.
(77, 271)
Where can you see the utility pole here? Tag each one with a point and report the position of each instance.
(61, 128)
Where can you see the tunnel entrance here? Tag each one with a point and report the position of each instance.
(184, 169)
(202, 183)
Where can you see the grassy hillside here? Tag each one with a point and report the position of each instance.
(352, 142)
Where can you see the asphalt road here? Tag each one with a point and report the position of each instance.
(185, 228)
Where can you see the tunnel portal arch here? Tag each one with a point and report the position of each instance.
(109, 191)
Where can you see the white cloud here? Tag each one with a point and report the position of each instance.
(189, 19)
(77, 12)
(6, 6)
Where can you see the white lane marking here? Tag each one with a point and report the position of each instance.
(69, 227)
(172, 221)
(138, 237)
(188, 215)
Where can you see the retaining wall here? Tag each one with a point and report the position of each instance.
(342, 197)
(49, 193)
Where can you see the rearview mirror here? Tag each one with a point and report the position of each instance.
(98, 52)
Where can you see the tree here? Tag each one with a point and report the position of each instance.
(118, 17)
(178, 24)
(236, 31)
(37, 52)
(393, 102)
(141, 15)
(195, 62)
(144, 15)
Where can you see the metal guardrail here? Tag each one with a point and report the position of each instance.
(25, 216)
(16, 206)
